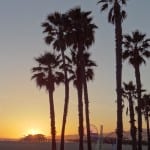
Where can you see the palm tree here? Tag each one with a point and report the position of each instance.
(55, 28)
(45, 75)
(129, 92)
(136, 50)
(115, 16)
(146, 111)
(89, 75)
(80, 37)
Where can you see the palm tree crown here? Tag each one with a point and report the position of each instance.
(146, 105)
(56, 26)
(136, 48)
(45, 74)
(81, 29)
(105, 4)
(129, 88)
(89, 64)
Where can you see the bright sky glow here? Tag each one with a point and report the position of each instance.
(33, 131)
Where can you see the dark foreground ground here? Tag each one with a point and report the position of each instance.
(11, 145)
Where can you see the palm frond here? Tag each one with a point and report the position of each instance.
(102, 1)
(36, 69)
(104, 7)
(49, 30)
(123, 15)
(59, 78)
(54, 18)
(70, 71)
(146, 43)
(89, 74)
(39, 78)
(68, 59)
(48, 39)
(45, 24)
(147, 40)
(111, 15)
(38, 75)
(72, 78)
(137, 36)
(146, 53)
(126, 54)
(127, 38)
(124, 2)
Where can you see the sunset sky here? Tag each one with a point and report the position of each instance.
(24, 108)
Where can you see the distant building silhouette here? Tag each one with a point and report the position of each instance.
(34, 138)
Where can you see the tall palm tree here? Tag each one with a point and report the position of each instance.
(136, 50)
(129, 92)
(115, 16)
(80, 37)
(146, 111)
(89, 75)
(55, 28)
(45, 75)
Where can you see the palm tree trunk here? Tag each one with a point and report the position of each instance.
(132, 124)
(118, 37)
(86, 101)
(52, 117)
(80, 110)
(138, 83)
(80, 73)
(65, 104)
(148, 130)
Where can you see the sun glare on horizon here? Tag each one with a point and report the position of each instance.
(33, 131)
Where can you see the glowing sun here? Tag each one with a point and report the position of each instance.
(33, 131)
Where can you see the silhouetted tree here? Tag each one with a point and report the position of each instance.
(34, 138)
(89, 75)
(115, 16)
(129, 92)
(46, 75)
(136, 50)
(80, 37)
(55, 28)
(146, 112)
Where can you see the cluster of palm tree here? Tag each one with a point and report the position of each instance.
(146, 113)
(135, 50)
(70, 34)
(130, 94)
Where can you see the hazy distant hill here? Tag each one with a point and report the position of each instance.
(126, 134)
